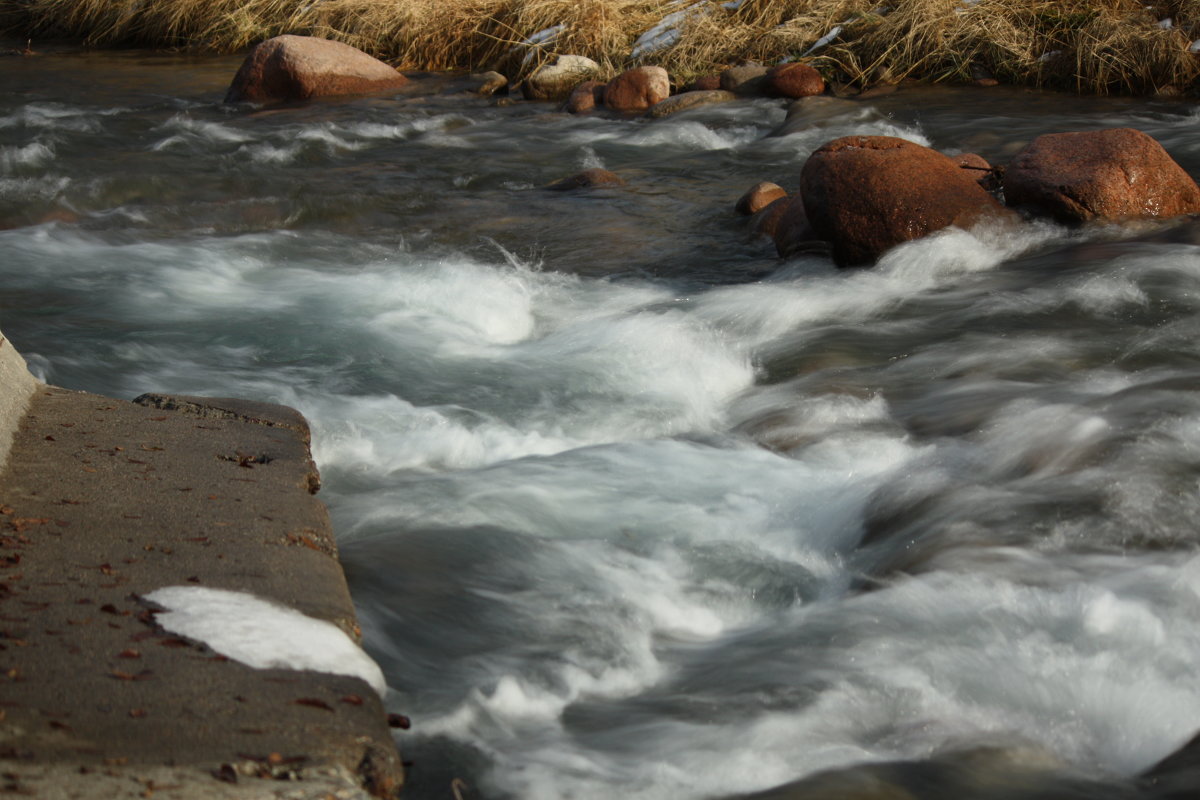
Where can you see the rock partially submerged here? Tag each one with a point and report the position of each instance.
(587, 179)
(555, 82)
(637, 89)
(689, 100)
(794, 80)
(867, 194)
(758, 197)
(585, 97)
(1114, 174)
(295, 68)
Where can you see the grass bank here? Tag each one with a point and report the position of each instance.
(1112, 46)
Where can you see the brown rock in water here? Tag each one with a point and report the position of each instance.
(786, 222)
(705, 83)
(794, 80)
(688, 100)
(867, 194)
(758, 197)
(1113, 174)
(554, 82)
(637, 89)
(586, 179)
(291, 68)
(748, 79)
(489, 83)
(585, 97)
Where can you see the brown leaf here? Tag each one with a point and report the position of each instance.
(175, 641)
(352, 699)
(130, 653)
(313, 702)
(399, 721)
(137, 713)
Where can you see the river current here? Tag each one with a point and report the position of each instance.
(630, 507)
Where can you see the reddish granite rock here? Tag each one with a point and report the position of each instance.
(867, 194)
(586, 179)
(637, 89)
(585, 97)
(794, 80)
(1113, 174)
(758, 197)
(291, 68)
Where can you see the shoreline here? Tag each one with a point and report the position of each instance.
(1097, 48)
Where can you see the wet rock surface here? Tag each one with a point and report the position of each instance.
(294, 68)
(867, 194)
(1113, 174)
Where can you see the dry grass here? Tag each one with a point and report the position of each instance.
(1095, 47)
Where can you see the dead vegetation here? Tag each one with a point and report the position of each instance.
(1121, 46)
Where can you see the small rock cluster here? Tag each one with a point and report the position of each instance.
(859, 196)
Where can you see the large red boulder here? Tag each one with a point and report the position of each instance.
(1113, 174)
(637, 89)
(867, 194)
(291, 68)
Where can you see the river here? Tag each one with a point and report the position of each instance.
(630, 507)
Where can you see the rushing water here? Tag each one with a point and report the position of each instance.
(629, 507)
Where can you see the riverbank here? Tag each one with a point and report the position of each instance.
(138, 543)
(1116, 46)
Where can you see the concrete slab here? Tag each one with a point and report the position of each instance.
(103, 501)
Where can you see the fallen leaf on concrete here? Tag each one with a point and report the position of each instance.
(313, 702)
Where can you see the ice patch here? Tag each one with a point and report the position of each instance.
(665, 34)
(261, 634)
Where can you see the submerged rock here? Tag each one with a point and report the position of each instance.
(794, 80)
(688, 100)
(758, 197)
(867, 194)
(556, 81)
(637, 89)
(587, 179)
(1113, 174)
(291, 68)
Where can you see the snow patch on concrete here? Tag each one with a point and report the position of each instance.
(262, 634)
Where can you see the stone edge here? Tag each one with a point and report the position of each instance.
(17, 386)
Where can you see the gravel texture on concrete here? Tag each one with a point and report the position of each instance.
(103, 501)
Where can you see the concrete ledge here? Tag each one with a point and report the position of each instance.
(103, 501)
(16, 387)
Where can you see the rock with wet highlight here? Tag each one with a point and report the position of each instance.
(867, 194)
(296, 68)
(1113, 174)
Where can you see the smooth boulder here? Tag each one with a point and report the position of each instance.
(867, 194)
(1113, 174)
(295, 68)
(794, 80)
(555, 82)
(637, 89)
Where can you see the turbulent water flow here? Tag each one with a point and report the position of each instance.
(629, 507)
